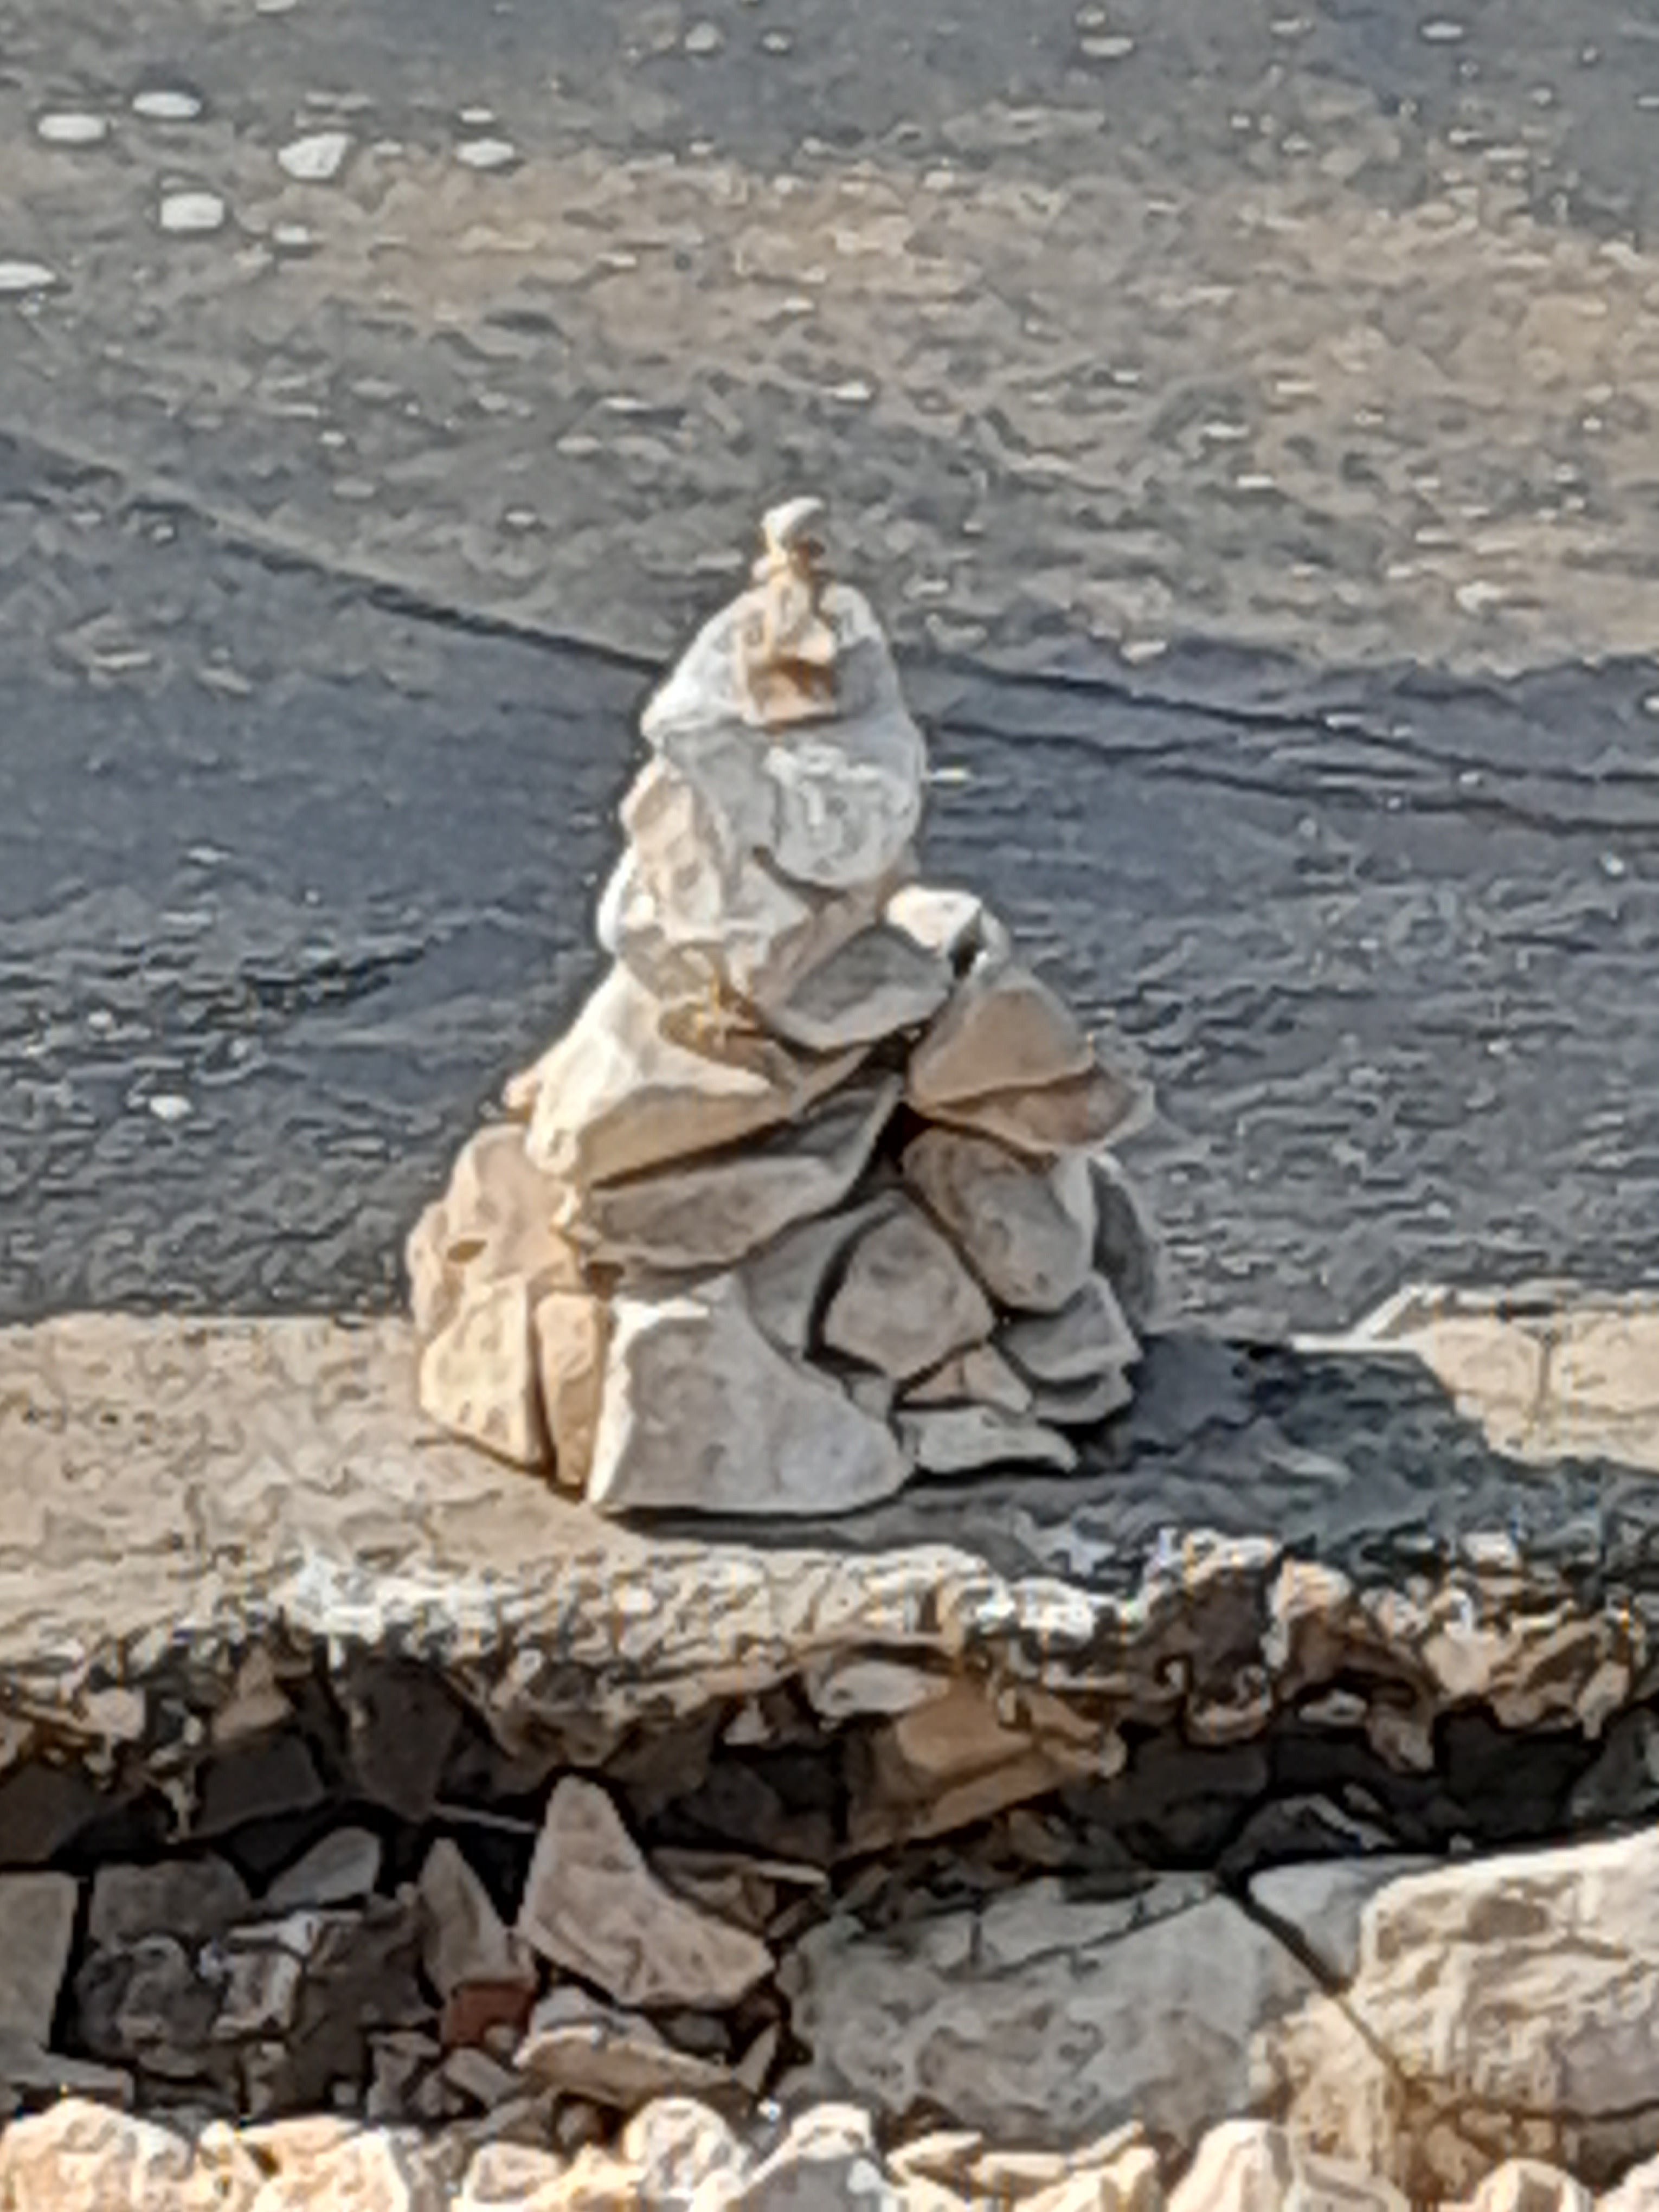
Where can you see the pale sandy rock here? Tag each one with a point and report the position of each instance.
(784, 1284)
(36, 1927)
(582, 2047)
(953, 1757)
(365, 2170)
(81, 2157)
(700, 1410)
(478, 1374)
(946, 2155)
(1027, 1232)
(510, 2177)
(878, 984)
(678, 2146)
(1129, 1251)
(1087, 1338)
(1093, 1109)
(493, 1224)
(342, 1867)
(711, 1213)
(572, 1330)
(626, 1088)
(981, 1377)
(1243, 2166)
(315, 159)
(906, 1302)
(828, 2161)
(1004, 1030)
(463, 1937)
(956, 924)
(1132, 2183)
(1323, 1903)
(963, 1439)
(1528, 2184)
(1638, 2191)
(591, 1904)
(1041, 2019)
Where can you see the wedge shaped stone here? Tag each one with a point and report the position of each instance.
(906, 1302)
(877, 985)
(571, 1329)
(1085, 1340)
(1028, 1233)
(713, 1211)
(981, 1377)
(1004, 1030)
(957, 924)
(1082, 1404)
(627, 1088)
(478, 1378)
(1091, 1110)
(592, 1905)
(581, 2046)
(700, 1410)
(493, 1222)
(958, 1439)
(784, 1284)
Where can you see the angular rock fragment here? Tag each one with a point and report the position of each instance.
(581, 2046)
(700, 1410)
(493, 1224)
(463, 1939)
(592, 1905)
(963, 1439)
(1004, 1030)
(1027, 1232)
(957, 925)
(187, 1898)
(906, 1302)
(572, 1328)
(1088, 1337)
(37, 1927)
(785, 1284)
(478, 1375)
(1128, 1250)
(877, 985)
(343, 1866)
(1103, 1106)
(981, 1377)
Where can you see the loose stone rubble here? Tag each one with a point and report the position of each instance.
(818, 1153)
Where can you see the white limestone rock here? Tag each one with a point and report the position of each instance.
(592, 1905)
(700, 1410)
(571, 1329)
(478, 1377)
(493, 1224)
(906, 1302)
(1028, 1233)
(628, 1089)
(712, 1213)
(463, 1939)
(955, 924)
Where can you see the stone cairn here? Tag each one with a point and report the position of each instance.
(814, 1193)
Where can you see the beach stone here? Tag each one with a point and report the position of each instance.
(1243, 2166)
(37, 1928)
(364, 2170)
(622, 1093)
(1004, 1030)
(784, 1284)
(343, 1866)
(708, 1214)
(700, 1410)
(572, 1329)
(493, 1224)
(1637, 2192)
(582, 2047)
(1061, 1118)
(828, 2161)
(1042, 2019)
(1082, 1404)
(906, 1302)
(961, 1439)
(478, 1375)
(463, 1939)
(1027, 1232)
(592, 1905)
(315, 159)
(980, 1377)
(190, 1899)
(876, 985)
(186, 215)
(1088, 1337)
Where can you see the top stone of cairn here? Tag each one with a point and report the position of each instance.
(813, 1194)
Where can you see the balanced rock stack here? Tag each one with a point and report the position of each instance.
(814, 1193)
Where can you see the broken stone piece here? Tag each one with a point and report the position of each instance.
(1074, 1117)
(493, 1224)
(36, 1927)
(981, 1377)
(463, 1938)
(571, 1330)
(1027, 1232)
(700, 1410)
(784, 1284)
(957, 925)
(343, 1866)
(582, 2047)
(478, 1375)
(906, 1302)
(1128, 1250)
(1086, 1339)
(877, 985)
(1003, 1031)
(186, 1898)
(592, 1905)
(962, 1440)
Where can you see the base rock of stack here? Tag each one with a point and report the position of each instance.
(813, 1194)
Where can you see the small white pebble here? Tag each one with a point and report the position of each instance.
(487, 152)
(192, 213)
(69, 127)
(25, 276)
(167, 105)
(1114, 46)
(316, 158)
(293, 237)
(704, 38)
(168, 1106)
(1440, 31)
(477, 118)
(273, 7)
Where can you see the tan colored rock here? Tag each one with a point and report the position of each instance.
(784, 1284)
(1087, 1339)
(712, 1213)
(1527, 2185)
(981, 1377)
(878, 984)
(81, 2157)
(1131, 2184)
(1102, 1107)
(463, 1939)
(946, 2155)
(906, 1302)
(700, 1410)
(629, 1088)
(1004, 1030)
(572, 1330)
(1027, 1232)
(1243, 2166)
(591, 1904)
(828, 2161)
(36, 1927)
(510, 2177)
(963, 1439)
(478, 1375)
(494, 1222)
(365, 2170)
(581, 2046)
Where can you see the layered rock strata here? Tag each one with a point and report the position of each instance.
(814, 1193)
